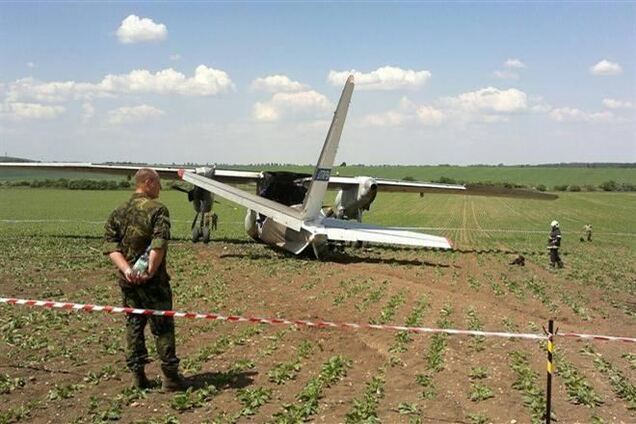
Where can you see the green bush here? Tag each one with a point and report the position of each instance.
(628, 187)
(574, 188)
(609, 186)
(446, 180)
(561, 187)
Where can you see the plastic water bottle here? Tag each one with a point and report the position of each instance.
(141, 265)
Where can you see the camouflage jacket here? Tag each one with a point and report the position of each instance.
(135, 225)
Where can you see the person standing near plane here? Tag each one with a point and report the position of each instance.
(140, 225)
(554, 242)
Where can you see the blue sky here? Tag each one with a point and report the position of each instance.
(247, 82)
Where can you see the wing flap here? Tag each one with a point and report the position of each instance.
(336, 229)
(279, 213)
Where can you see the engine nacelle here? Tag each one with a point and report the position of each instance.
(351, 202)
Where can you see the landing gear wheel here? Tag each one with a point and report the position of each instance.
(196, 234)
(205, 235)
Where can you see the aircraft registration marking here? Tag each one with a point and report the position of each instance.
(322, 174)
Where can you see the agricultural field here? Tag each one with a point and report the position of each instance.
(68, 367)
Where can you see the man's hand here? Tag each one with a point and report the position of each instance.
(134, 278)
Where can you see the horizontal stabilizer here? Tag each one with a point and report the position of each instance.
(276, 211)
(337, 229)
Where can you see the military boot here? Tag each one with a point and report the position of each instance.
(140, 381)
(172, 380)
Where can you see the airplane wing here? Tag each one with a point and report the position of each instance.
(388, 185)
(224, 175)
(337, 229)
(232, 176)
(393, 185)
(280, 213)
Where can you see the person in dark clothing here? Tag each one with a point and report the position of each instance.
(554, 242)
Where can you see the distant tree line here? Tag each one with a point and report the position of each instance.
(64, 183)
(610, 185)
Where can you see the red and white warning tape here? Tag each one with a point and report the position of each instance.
(598, 337)
(316, 323)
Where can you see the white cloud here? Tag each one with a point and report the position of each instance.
(298, 104)
(540, 108)
(265, 112)
(277, 83)
(406, 112)
(488, 105)
(606, 68)
(30, 65)
(514, 63)
(506, 75)
(175, 57)
(134, 30)
(384, 78)
(33, 111)
(205, 82)
(131, 114)
(490, 99)
(88, 111)
(568, 114)
(428, 115)
(387, 119)
(30, 89)
(617, 104)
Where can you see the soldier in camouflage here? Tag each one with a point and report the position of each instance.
(134, 226)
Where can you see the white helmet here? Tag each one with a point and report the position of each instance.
(554, 224)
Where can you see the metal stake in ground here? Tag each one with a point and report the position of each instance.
(550, 368)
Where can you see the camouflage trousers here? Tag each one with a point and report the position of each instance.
(151, 295)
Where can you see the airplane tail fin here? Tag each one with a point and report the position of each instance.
(320, 179)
